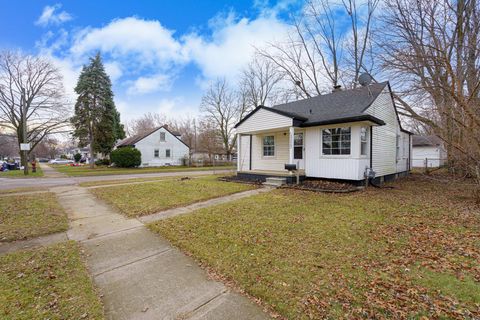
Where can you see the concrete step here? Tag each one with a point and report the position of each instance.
(275, 182)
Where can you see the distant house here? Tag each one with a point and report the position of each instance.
(341, 135)
(159, 147)
(204, 157)
(428, 151)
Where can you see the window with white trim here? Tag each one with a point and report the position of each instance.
(156, 153)
(269, 146)
(336, 141)
(364, 141)
(162, 136)
(167, 153)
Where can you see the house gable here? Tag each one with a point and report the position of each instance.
(263, 118)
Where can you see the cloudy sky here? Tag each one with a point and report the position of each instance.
(160, 55)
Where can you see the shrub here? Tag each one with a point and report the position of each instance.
(77, 157)
(126, 157)
(102, 162)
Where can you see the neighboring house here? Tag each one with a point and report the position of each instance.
(428, 151)
(159, 147)
(340, 135)
(203, 156)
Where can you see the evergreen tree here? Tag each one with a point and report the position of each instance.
(96, 120)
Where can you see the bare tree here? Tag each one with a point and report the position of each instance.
(31, 98)
(432, 52)
(318, 54)
(145, 123)
(187, 128)
(209, 138)
(260, 82)
(223, 109)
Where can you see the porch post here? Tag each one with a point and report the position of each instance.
(290, 144)
(239, 154)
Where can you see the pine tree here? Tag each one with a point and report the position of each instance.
(96, 120)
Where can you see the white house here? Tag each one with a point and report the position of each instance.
(341, 135)
(159, 147)
(428, 151)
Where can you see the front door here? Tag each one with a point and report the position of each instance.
(299, 150)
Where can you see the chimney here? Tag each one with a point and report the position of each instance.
(337, 88)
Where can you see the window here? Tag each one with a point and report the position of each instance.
(162, 136)
(167, 153)
(269, 146)
(155, 153)
(363, 141)
(298, 146)
(336, 141)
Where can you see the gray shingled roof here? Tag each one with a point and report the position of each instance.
(431, 140)
(131, 141)
(333, 106)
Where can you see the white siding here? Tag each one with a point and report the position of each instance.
(385, 137)
(147, 146)
(277, 162)
(244, 154)
(349, 167)
(264, 120)
(435, 156)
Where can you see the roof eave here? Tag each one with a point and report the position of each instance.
(358, 118)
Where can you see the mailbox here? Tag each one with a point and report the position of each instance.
(290, 167)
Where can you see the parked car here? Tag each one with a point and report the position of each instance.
(43, 160)
(60, 161)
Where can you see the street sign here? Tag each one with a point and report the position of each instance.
(24, 146)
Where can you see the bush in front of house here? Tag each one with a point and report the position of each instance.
(126, 157)
(77, 157)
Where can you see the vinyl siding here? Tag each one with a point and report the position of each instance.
(435, 156)
(244, 154)
(147, 145)
(277, 162)
(384, 137)
(349, 167)
(264, 120)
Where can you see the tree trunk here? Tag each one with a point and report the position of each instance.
(90, 138)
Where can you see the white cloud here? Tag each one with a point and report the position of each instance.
(232, 46)
(51, 15)
(148, 84)
(143, 42)
(114, 70)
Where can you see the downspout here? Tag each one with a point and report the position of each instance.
(409, 152)
(371, 148)
(250, 157)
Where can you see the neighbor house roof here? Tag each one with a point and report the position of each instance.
(426, 141)
(336, 107)
(131, 141)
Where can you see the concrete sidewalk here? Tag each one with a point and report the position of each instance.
(140, 275)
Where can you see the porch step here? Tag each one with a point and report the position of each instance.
(275, 181)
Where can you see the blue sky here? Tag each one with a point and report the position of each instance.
(160, 55)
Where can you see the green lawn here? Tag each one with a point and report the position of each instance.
(20, 174)
(47, 283)
(407, 252)
(143, 199)
(28, 216)
(103, 170)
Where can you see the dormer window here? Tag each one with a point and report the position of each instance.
(162, 136)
